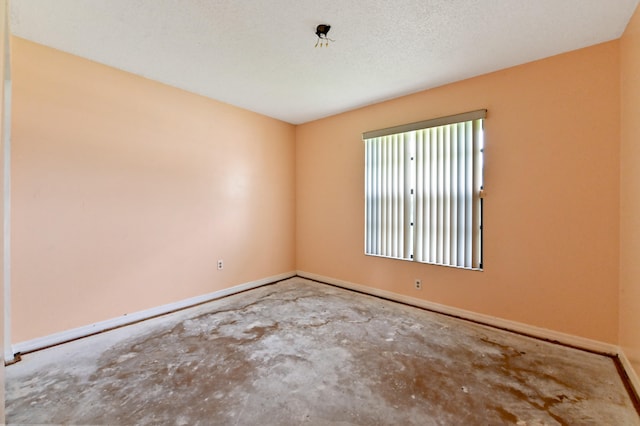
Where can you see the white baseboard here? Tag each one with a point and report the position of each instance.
(518, 327)
(76, 333)
(631, 372)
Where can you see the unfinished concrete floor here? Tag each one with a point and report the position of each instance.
(300, 352)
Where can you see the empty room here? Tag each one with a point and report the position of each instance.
(418, 212)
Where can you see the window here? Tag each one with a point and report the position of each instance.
(423, 191)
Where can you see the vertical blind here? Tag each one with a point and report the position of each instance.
(423, 191)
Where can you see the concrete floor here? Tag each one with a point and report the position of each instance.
(299, 352)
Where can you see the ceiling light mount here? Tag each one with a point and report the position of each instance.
(321, 31)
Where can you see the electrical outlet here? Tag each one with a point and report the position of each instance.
(418, 284)
(220, 264)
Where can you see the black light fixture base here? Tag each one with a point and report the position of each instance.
(322, 30)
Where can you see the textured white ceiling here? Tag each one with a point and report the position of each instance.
(260, 55)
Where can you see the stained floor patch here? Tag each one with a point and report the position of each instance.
(299, 352)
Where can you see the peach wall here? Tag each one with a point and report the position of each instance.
(551, 175)
(126, 192)
(4, 35)
(630, 193)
